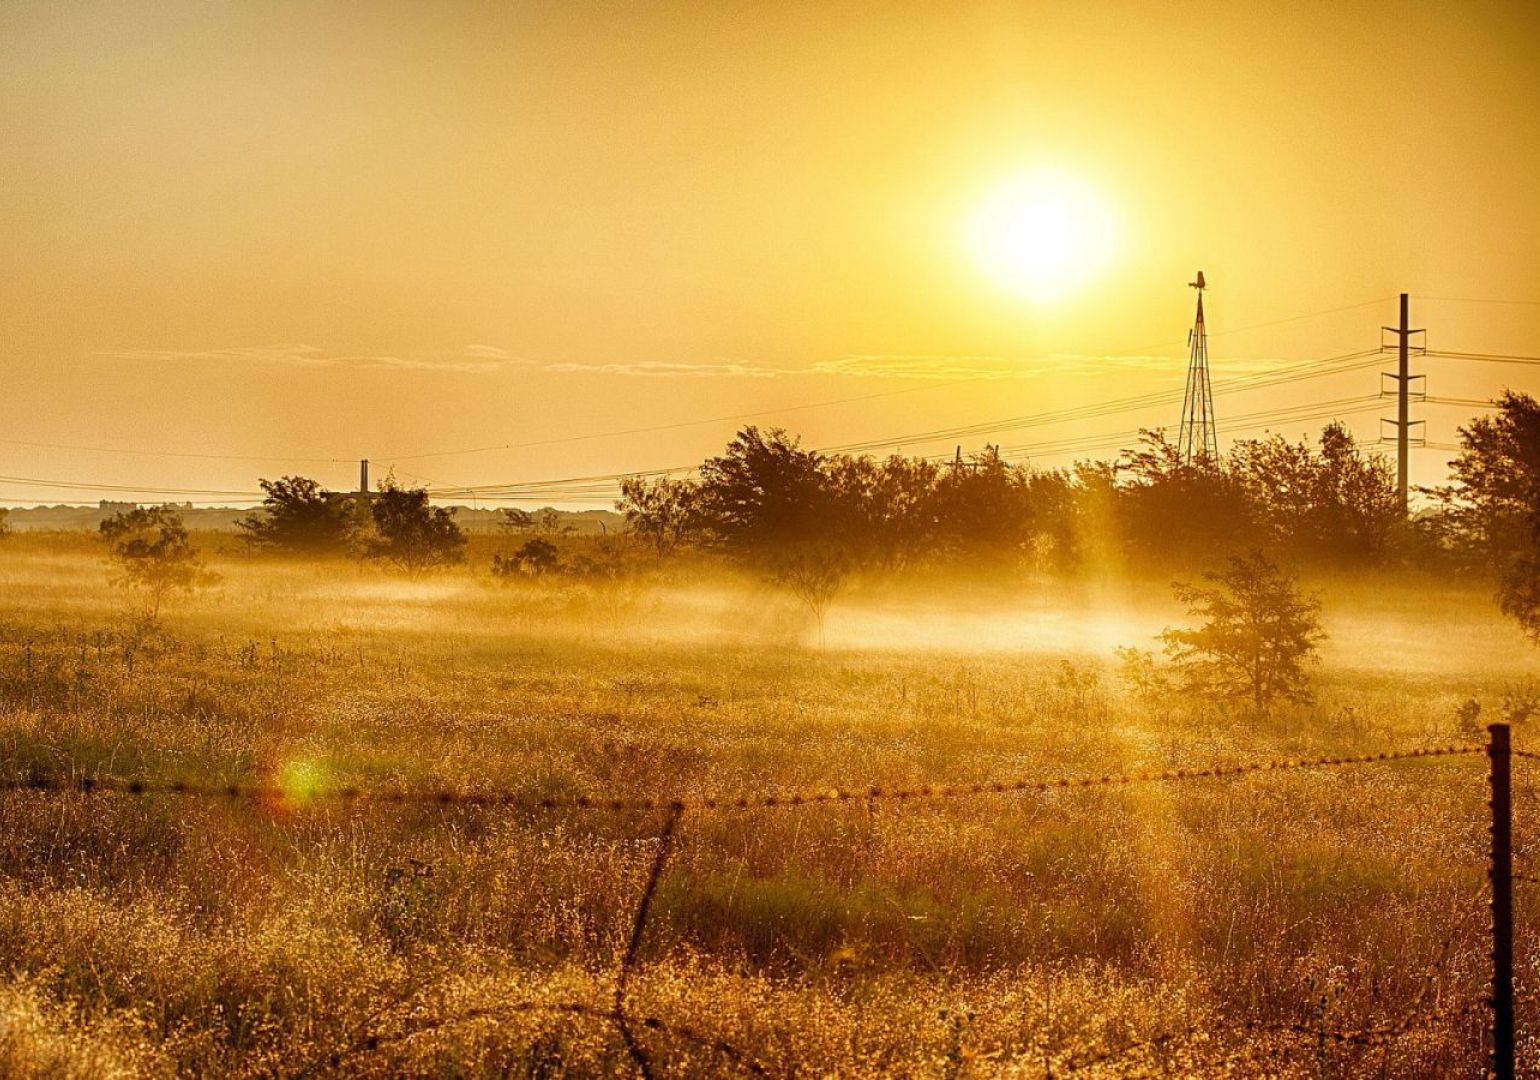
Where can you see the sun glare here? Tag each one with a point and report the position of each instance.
(1042, 236)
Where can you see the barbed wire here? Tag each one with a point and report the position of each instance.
(1379, 1035)
(1376, 1039)
(620, 1013)
(374, 1044)
(302, 793)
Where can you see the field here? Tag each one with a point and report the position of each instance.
(1315, 922)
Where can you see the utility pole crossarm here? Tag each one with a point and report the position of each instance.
(1403, 378)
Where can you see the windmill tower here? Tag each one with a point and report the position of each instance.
(1198, 438)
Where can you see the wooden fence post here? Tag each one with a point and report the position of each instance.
(1499, 753)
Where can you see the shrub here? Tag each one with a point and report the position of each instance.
(535, 558)
(1257, 634)
(154, 553)
(301, 517)
(411, 534)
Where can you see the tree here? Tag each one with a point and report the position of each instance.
(763, 494)
(5, 521)
(984, 508)
(410, 533)
(1257, 635)
(1086, 529)
(1337, 505)
(1518, 593)
(516, 521)
(537, 557)
(895, 515)
(813, 573)
(1170, 509)
(548, 521)
(301, 517)
(154, 553)
(1493, 506)
(1356, 511)
(663, 512)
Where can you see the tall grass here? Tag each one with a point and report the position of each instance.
(1141, 930)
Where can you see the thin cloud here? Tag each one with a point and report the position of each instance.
(882, 366)
(486, 359)
(921, 366)
(653, 369)
(487, 352)
(479, 359)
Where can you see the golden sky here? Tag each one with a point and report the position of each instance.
(322, 230)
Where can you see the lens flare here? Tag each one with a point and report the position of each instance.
(301, 781)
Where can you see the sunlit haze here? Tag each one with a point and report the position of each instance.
(559, 538)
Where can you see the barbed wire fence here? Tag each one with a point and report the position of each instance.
(628, 1024)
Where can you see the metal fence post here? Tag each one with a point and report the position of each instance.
(1499, 752)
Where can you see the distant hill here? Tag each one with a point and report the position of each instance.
(220, 519)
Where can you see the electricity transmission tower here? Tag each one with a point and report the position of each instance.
(1198, 438)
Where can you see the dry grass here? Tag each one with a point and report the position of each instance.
(1212, 927)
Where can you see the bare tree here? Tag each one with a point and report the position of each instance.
(663, 512)
(814, 574)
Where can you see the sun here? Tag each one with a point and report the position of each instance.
(1042, 236)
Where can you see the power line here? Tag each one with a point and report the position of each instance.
(1308, 369)
(62, 485)
(175, 453)
(1303, 411)
(1477, 300)
(1292, 373)
(1497, 358)
(1473, 403)
(82, 485)
(847, 400)
(601, 487)
(1244, 422)
(1258, 380)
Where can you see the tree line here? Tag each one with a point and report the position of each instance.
(807, 520)
(768, 501)
(1330, 504)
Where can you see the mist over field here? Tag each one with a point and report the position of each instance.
(1215, 924)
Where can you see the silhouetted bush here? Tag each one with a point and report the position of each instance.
(301, 517)
(410, 533)
(536, 558)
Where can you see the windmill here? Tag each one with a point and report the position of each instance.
(1198, 438)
